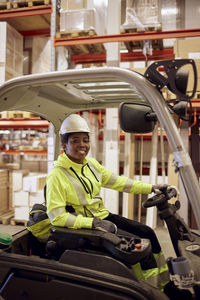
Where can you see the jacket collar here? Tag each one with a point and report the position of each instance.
(65, 162)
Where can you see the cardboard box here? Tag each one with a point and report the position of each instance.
(4, 190)
(36, 198)
(3, 177)
(189, 48)
(34, 183)
(10, 166)
(4, 199)
(31, 165)
(21, 213)
(182, 46)
(17, 179)
(11, 52)
(21, 198)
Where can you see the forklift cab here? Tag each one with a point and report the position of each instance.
(141, 103)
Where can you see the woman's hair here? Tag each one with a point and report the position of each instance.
(65, 137)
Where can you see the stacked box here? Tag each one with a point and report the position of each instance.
(41, 54)
(37, 197)
(4, 190)
(11, 52)
(189, 48)
(34, 183)
(27, 191)
(17, 179)
(34, 165)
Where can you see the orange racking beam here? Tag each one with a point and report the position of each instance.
(22, 152)
(28, 33)
(125, 56)
(126, 37)
(25, 12)
(23, 124)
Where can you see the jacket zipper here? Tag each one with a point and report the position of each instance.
(83, 182)
(87, 177)
(92, 172)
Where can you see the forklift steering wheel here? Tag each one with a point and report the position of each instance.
(161, 198)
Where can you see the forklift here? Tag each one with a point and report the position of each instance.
(90, 264)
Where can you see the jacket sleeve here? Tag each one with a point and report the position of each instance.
(56, 195)
(122, 183)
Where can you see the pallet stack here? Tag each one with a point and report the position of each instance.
(77, 21)
(4, 190)
(6, 207)
(27, 190)
(20, 190)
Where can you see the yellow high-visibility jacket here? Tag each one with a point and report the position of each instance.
(73, 191)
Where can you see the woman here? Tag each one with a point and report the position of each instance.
(74, 201)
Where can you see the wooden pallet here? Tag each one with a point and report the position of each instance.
(81, 49)
(6, 217)
(25, 3)
(17, 115)
(5, 5)
(135, 45)
(29, 3)
(15, 222)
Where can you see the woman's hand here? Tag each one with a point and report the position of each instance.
(159, 188)
(104, 225)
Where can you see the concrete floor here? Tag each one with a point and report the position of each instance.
(161, 232)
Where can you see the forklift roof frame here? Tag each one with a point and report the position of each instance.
(55, 95)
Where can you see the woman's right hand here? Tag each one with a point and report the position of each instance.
(104, 225)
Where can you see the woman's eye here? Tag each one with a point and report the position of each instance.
(79, 141)
(75, 141)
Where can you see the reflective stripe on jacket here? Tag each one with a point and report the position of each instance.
(157, 277)
(73, 191)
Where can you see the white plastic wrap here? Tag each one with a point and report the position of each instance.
(77, 19)
(141, 14)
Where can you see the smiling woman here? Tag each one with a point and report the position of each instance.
(74, 201)
(75, 138)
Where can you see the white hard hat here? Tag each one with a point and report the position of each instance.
(74, 123)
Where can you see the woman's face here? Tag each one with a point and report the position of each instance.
(77, 147)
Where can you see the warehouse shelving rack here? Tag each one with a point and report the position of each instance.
(19, 14)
